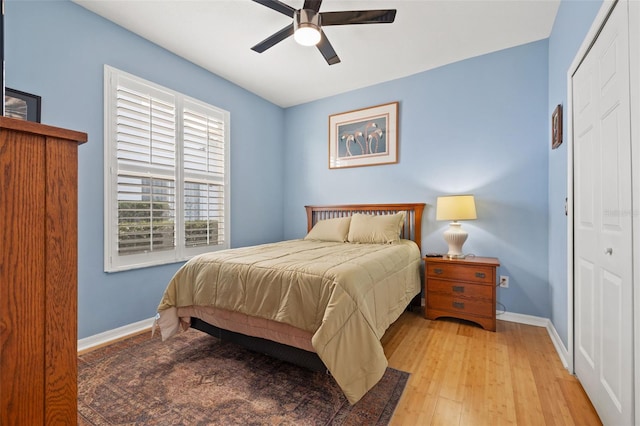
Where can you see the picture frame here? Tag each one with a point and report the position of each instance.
(22, 105)
(556, 127)
(364, 137)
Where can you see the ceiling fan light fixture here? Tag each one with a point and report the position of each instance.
(307, 36)
(306, 26)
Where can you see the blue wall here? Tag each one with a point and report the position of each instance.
(476, 126)
(571, 26)
(57, 49)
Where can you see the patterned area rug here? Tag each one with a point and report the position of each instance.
(197, 379)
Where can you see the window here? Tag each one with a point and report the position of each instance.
(166, 174)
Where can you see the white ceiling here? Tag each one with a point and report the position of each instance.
(218, 35)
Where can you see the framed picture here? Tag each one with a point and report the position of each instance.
(364, 137)
(21, 105)
(556, 127)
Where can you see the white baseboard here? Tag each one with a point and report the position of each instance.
(563, 353)
(115, 334)
(523, 319)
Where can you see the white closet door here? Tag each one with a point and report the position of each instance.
(634, 71)
(602, 223)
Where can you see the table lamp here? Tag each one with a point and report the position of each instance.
(455, 208)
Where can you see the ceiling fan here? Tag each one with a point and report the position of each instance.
(307, 25)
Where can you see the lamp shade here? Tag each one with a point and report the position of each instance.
(456, 207)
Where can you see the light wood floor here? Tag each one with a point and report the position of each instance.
(464, 375)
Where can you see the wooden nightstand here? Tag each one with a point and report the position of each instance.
(461, 288)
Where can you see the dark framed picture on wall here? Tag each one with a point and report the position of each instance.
(21, 105)
(364, 137)
(556, 127)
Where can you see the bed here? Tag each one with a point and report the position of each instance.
(323, 301)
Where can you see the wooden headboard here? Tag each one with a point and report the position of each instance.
(412, 229)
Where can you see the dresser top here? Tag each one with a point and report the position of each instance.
(7, 123)
(474, 260)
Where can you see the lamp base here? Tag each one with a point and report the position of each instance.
(454, 256)
(455, 236)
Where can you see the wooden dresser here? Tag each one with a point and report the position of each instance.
(38, 273)
(461, 288)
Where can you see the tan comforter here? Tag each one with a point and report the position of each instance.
(346, 294)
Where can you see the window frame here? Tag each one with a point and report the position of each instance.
(113, 261)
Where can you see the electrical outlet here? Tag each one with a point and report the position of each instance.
(504, 281)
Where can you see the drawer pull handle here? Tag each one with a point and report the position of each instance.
(480, 275)
(457, 288)
(437, 271)
(459, 305)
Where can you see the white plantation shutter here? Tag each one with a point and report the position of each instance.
(146, 163)
(146, 214)
(166, 180)
(146, 127)
(204, 218)
(204, 166)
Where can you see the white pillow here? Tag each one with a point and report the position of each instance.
(335, 229)
(377, 229)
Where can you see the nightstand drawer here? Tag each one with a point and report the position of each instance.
(461, 289)
(443, 302)
(475, 273)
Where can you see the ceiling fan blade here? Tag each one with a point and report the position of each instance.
(274, 39)
(358, 17)
(327, 50)
(312, 4)
(278, 6)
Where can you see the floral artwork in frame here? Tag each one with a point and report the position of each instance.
(364, 137)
